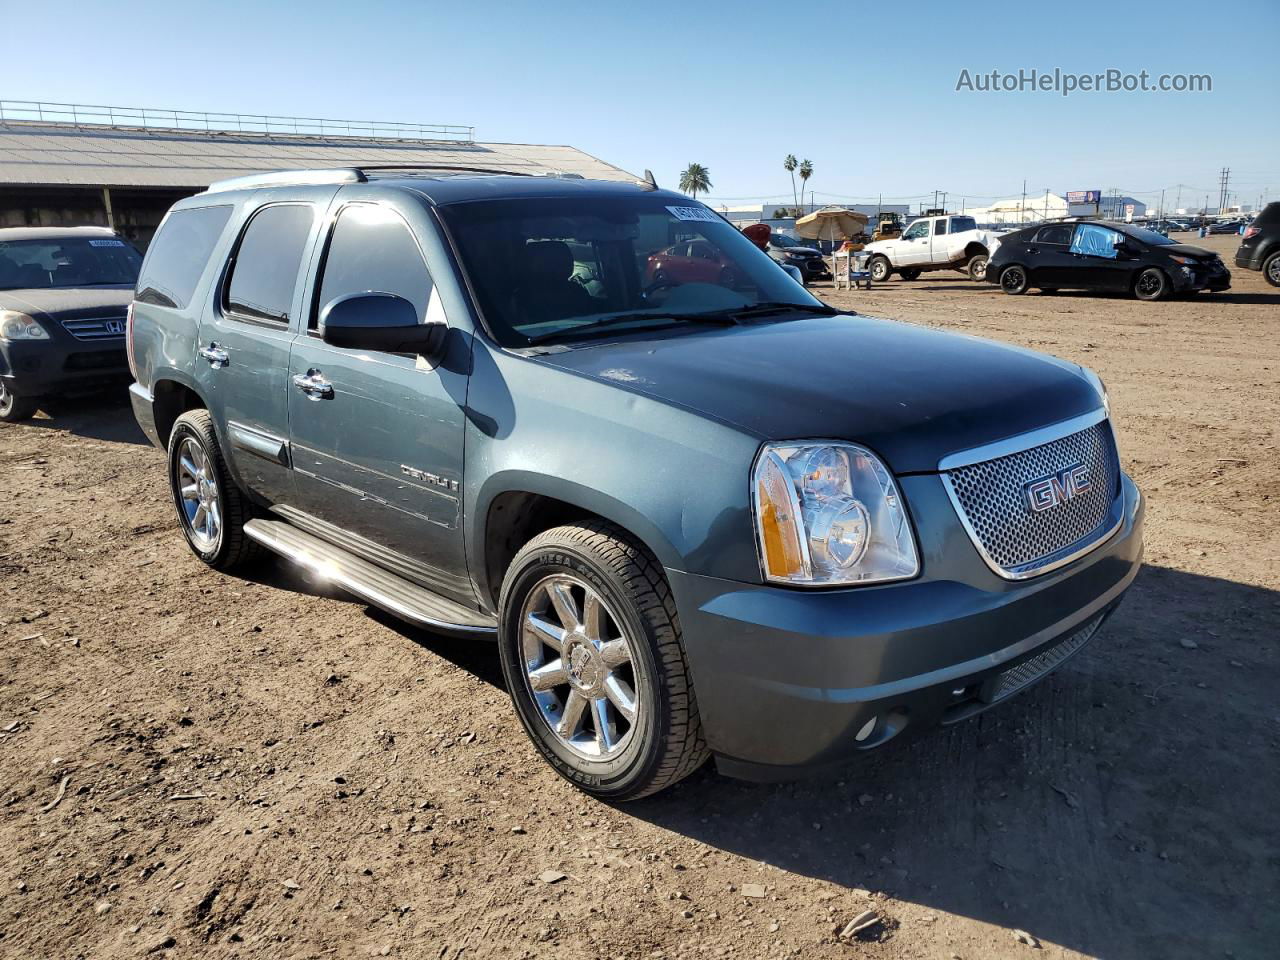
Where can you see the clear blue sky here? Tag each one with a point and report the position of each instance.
(866, 91)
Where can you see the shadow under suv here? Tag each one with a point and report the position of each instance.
(700, 517)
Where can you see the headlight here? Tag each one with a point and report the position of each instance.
(830, 514)
(1185, 261)
(18, 326)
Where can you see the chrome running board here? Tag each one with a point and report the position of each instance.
(369, 582)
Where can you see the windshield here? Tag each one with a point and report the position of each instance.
(67, 262)
(545, 267)
(783, 240)
(1149, 236)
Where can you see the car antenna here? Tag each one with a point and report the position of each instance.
(650, 182)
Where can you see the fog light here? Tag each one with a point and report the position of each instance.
(866, 730)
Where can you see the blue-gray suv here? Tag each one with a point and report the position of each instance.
(700, 516)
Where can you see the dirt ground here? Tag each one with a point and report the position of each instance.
(194, 765)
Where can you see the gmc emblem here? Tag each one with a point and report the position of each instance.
(1057, 488)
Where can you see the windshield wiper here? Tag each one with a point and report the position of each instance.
(604, 324)
(766, 307)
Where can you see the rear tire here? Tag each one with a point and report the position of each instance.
(1151, 284)
(588, 626)
(14, 408)
(977, 267)
(880, 269)
(211, 509)
(1271, 269)
(1013, 280)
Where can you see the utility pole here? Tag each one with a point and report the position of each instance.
(1224, 178)
(1022, 210)
(1178, 203)
(1161, 213)
(944, 200)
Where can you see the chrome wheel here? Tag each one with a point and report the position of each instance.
(1273, 270)
(199, 496)
(578, 666)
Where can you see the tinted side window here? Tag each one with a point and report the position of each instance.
(1270, 214)
(961, 224)
(1059, 233)
(178, 255)
(940, 227)
(372, 250)
(264, 269)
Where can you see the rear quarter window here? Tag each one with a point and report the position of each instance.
(1269, 216)
(178, 255)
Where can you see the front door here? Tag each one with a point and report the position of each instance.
(913, 246)
(377, 437)
(245, 337)
(1099, 263)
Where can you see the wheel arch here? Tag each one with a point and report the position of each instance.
(171, 397)
(973, 248)
(516, 508)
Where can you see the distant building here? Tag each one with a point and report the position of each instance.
(64, 165)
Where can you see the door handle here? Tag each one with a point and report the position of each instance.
(313, 385)
(216, 356)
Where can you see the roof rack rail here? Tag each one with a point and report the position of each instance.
(442, 167)
(288, 178)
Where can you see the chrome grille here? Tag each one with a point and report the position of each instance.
(1015, 678)
(95, 328)
(1017, 541)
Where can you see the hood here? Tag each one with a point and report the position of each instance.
(1186, 250)
(799, 251)
(65, 301)
(909, 393)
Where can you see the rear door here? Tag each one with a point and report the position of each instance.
(378, 457)
(939, 247)
(245, 336)
(1049, 259)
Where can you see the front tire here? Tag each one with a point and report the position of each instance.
(880, 269)
(211, 509)
(1013, 280)
(1151, 284)
(14, 408)
(1271, 269)
(590, 646)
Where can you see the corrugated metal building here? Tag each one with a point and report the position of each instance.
(65, 165)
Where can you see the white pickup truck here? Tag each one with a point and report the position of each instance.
(933, 243)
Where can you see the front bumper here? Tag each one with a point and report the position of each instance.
(40, 368)
(1213, 278)
(811, 268)
(788, 680)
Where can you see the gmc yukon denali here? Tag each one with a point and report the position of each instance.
(700, 516)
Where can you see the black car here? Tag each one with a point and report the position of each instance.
(790, 252)
(1098, 255)
(1260, 249)
(63, 296)
(1226, 226)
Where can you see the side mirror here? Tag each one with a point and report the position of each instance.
(382, 322)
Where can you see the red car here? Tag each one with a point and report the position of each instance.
(690, 261)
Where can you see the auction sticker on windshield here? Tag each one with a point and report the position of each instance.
(693, 213)
(106, 243)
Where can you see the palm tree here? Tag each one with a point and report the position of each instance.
(789, 165)
(695, 179)
(806, 171)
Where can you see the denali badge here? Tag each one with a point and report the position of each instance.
(1047, 492)
(430, 478)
